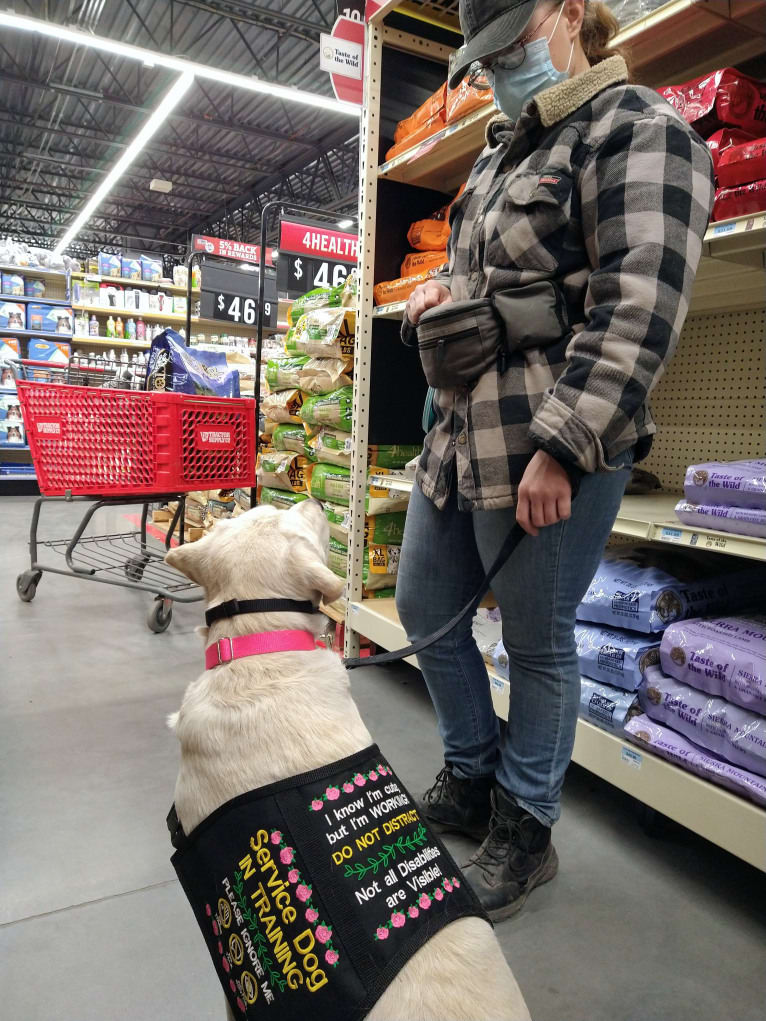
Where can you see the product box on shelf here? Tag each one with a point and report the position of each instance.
(7, 379)
(12, 315)
(130, 269)
(11, 423)
(9, 348)
(110, 295)
(726, 97)
(34, 288)
(12, 284)
(109, 264)
(151, 268)
(49, 318)
(56, 351)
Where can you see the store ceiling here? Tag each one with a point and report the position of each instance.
(67, 113)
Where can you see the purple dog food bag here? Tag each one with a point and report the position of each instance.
(739, 520)
(605, 706)
(724, 656)
(614, 656)
(727, 483)
(676, 749)
(630, 590)
(727, 730)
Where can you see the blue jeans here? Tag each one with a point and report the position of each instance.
(444, 557)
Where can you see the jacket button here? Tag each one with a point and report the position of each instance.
(462, 438)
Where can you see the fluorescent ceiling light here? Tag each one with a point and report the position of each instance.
(171, 99)
(61, 33)
(345, 223)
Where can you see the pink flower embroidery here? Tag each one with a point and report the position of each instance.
(311, 914)
(331, 956)
(372, 775)
(215, 928)
(439, 894)
(424, 901)
(397, 919)
(226, 965)
(303, 892)
(359, 780)
(232, 985)
(448, 886)
(381, 933)
(456, 883)
(332, 793)
(412, 911)
(286, 855)
(316, 805)
(293, 876)
(348, 787)
(323, 934)
(208, 910)
(241, 1003)
(276, 836)
(220, 948)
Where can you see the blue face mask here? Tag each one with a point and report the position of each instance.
(514, 87)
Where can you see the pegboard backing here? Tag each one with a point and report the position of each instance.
(710, 404)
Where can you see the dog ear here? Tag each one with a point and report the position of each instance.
(189, 559)
(322, 580)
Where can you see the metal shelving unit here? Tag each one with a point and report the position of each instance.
(709, 406)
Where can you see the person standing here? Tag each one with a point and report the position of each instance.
(597, 186)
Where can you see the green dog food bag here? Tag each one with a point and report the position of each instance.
(393, 455)
(320, 297)
(339, 519)
(284, 373)
(323, 375)
(327, 333)
(332, 446)
(385, 529)
(283, 469)
(283, 406)
(333, 409)
(281, 498)
(337, 558)
(290, 436)
(331, 482)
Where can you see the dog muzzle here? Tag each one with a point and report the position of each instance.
(312, 893)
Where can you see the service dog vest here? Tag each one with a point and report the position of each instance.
(313, 892)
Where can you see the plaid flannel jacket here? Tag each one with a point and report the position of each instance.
(603, 188)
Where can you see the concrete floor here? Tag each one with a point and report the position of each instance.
(93, 924)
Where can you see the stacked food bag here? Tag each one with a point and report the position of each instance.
(308, 432)
(636, 593)
(428, 238)
(729, 496)
(727, 108)
(704, 705)
(202, 509)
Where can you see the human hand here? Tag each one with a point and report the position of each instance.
(425, 296)
(545, 494)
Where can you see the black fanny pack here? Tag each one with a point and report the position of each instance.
(461, 340)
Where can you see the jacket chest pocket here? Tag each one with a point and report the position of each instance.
(530, 222)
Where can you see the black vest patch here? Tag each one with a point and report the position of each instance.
(313, 892)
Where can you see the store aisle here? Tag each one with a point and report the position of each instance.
(94, 926)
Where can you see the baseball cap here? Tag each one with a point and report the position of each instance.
(489, 26)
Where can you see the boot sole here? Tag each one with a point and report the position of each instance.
(545, 873)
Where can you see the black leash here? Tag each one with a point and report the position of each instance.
(512, 540)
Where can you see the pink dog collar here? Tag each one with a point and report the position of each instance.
(227, 649)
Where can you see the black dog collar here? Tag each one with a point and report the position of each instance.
(233, 607)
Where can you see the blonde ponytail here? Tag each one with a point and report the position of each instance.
(599, 27)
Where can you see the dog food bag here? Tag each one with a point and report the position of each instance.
(385, 529)
(283, 373)
(320, 297)
(282, 498)
(381, 500)
(727, 483)
(727, 730)
(387, 292)
(383, 560)
(290, 436)
(337, 558)
(668, 744)
(614, 656)
(333, 409)
(326, 333)
(605, 706)
(331, 482)
(283, 470)
(283, 406)
(323, 375)
(498, 659)
(465, 99)
(430, 235)
(339, 519)
(739, 520)
(426, 130)
(432, 107)
(418, 262)
(722, 140)
(739, 201)
(332, 446)
(720, 98)
(628, 590)
(174, 367)
(723, 656)
(741, 164)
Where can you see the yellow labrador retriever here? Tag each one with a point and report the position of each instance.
(253, 721)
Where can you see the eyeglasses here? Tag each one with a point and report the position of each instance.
(481, 74)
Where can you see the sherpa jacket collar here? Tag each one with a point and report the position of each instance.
(559, 101)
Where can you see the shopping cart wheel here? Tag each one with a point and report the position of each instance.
(160, 615)
(134, 568)
(26, 585)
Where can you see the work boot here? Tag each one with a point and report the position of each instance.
(516, 857)
(454, 805)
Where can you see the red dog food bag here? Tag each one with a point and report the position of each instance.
(724, 139)
(747, 198)
(742, 164)
(721, 98)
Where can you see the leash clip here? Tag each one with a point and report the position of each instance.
(219, 651)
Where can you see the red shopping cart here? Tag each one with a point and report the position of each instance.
(96, 435)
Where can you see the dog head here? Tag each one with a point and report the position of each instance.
(264, 553)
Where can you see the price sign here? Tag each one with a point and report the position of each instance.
(297, 274)
(241, 310)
